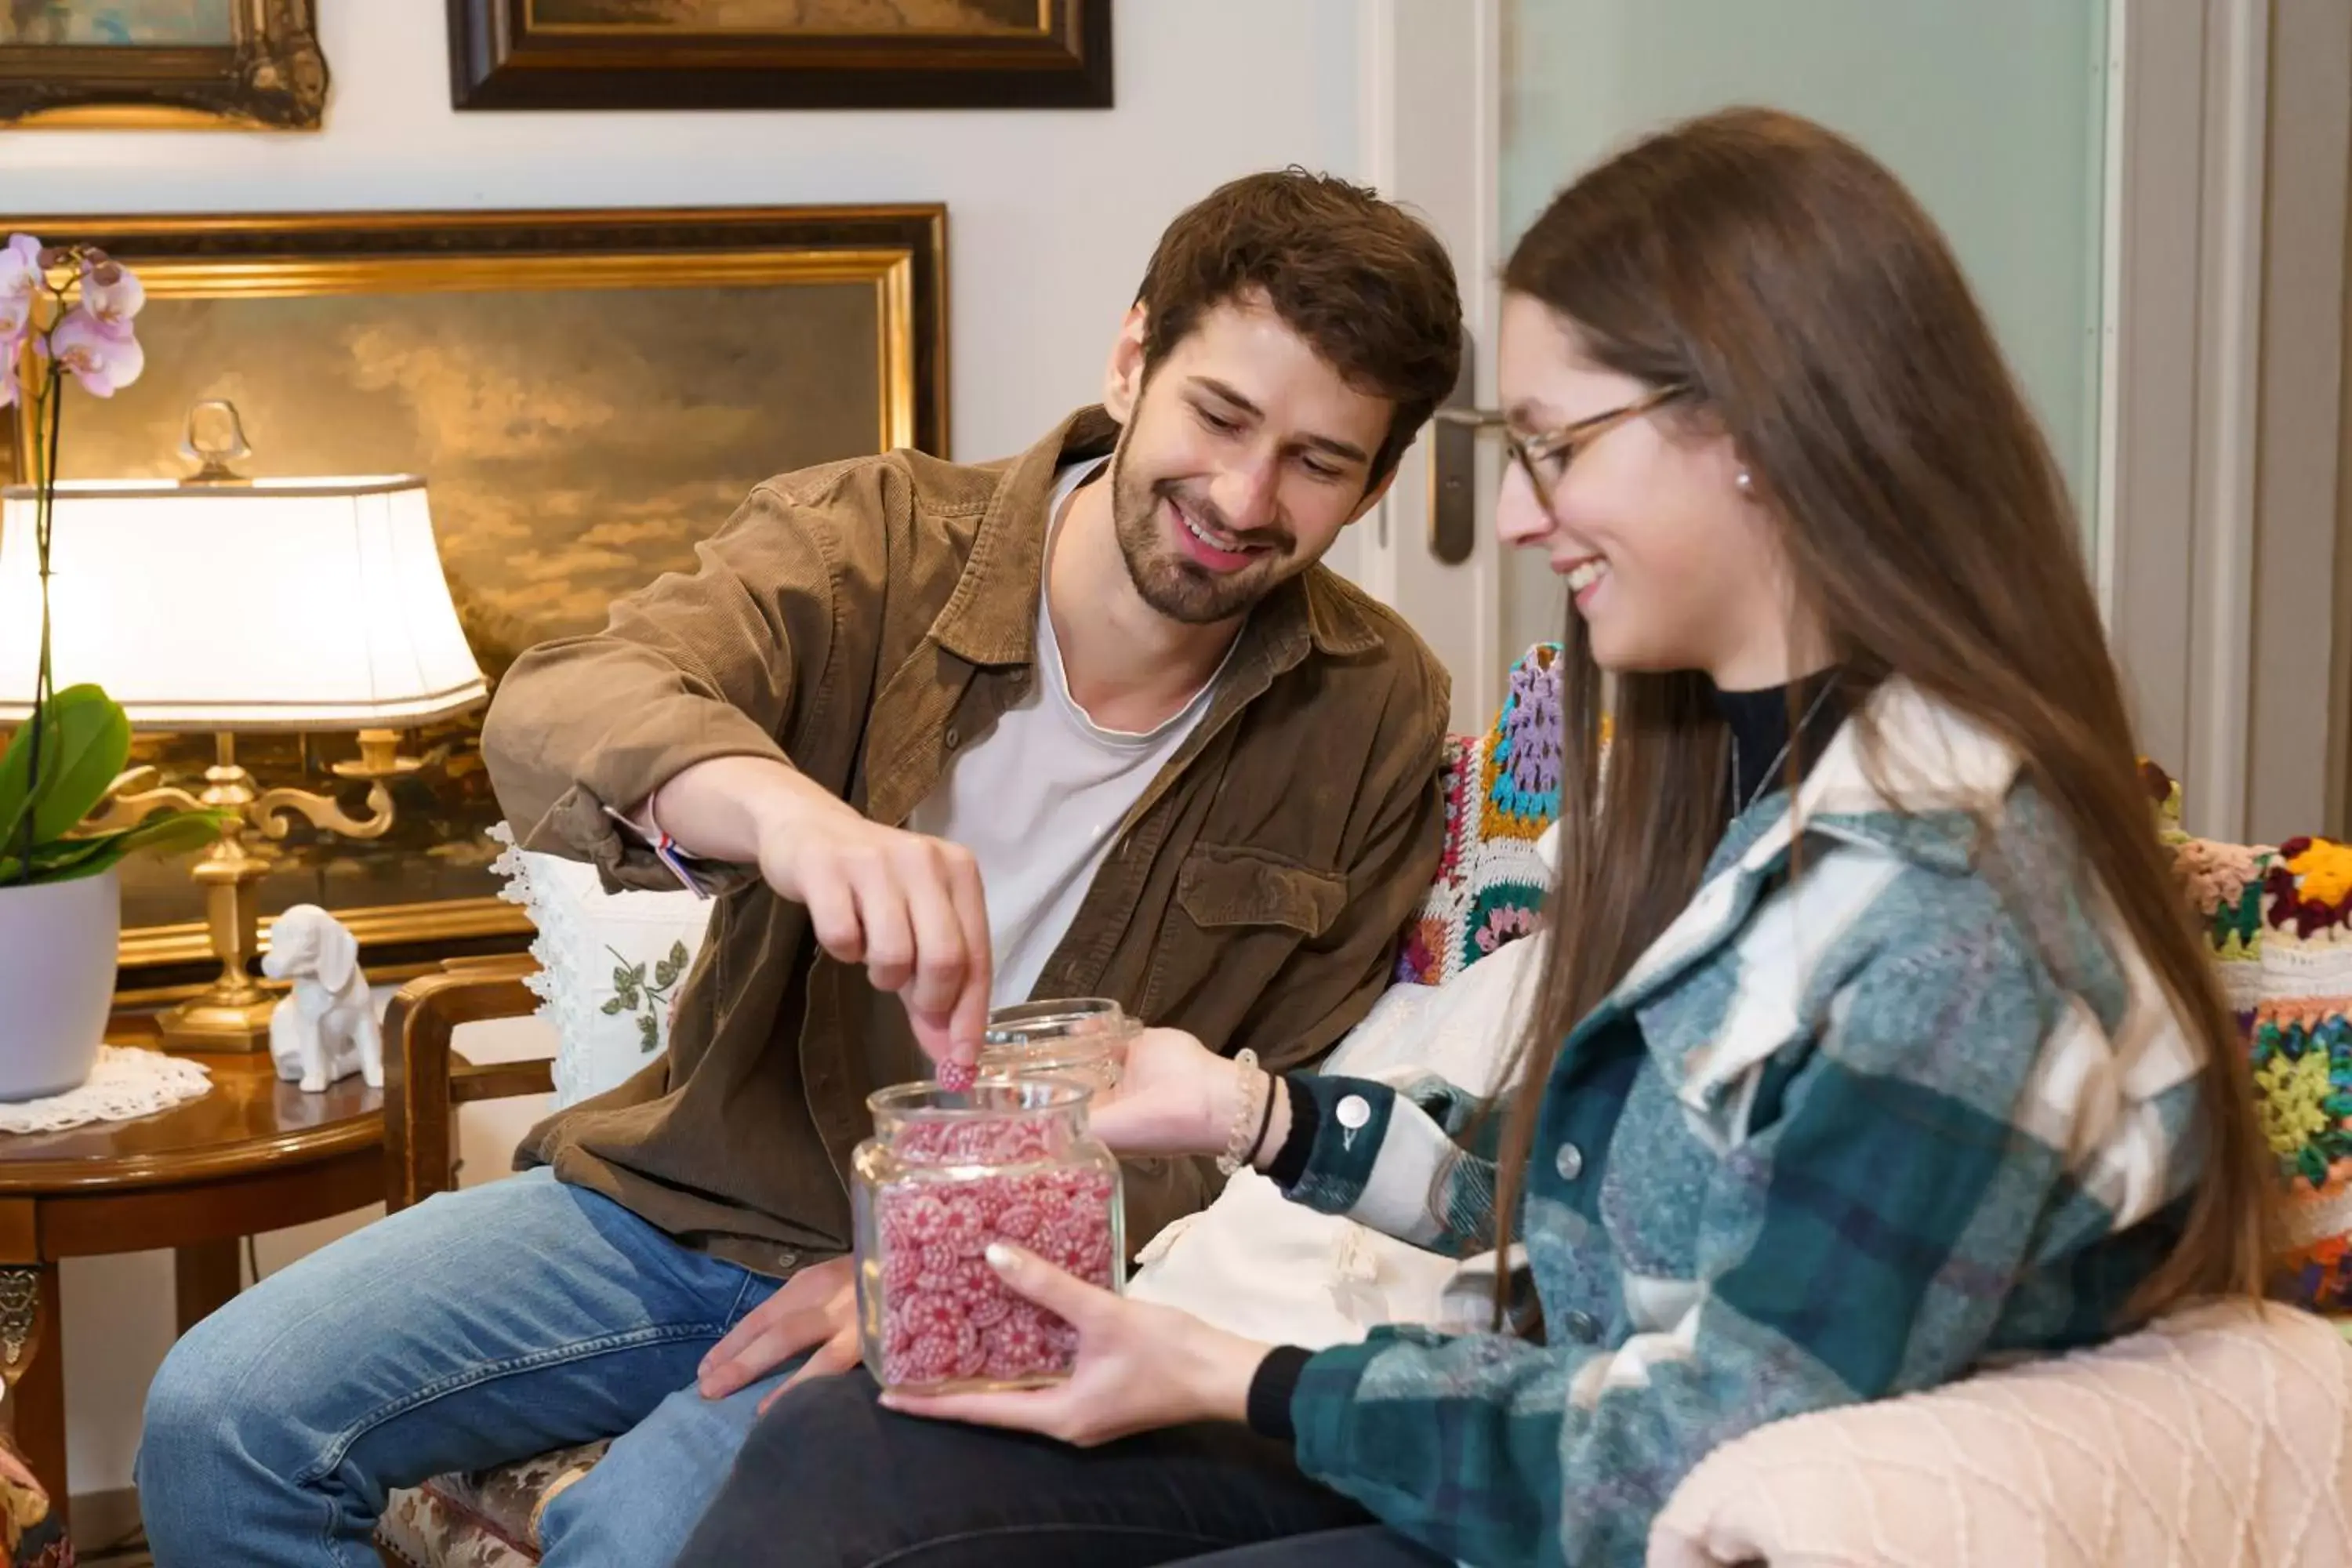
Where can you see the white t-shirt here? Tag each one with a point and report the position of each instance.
(1039, 798)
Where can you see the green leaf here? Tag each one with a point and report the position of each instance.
(665, 974)
(2313, 1168)
(611, 1007)
(72, 723)
(64, 859)
(650, 1031)
(627, 996)
(637, 975)
(15, 763)
(91, 743)
(620, 977)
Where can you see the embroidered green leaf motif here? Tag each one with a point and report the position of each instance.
(645, 997)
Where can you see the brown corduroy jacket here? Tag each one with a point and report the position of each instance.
(861, 621)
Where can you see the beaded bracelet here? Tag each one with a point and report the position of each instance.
(1245, 1114)
(1264, 1120)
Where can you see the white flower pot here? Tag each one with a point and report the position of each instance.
(57, 981)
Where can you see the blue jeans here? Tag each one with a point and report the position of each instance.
(478, 1327)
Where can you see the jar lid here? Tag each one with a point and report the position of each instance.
(1060, 1018)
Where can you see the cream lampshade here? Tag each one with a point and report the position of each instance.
(277, 605)
(306, 604)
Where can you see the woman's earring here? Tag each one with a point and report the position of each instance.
(1745, 482)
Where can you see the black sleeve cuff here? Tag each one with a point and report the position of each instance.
(1299, 1144)
(1270, 1391)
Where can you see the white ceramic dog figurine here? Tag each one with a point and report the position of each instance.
(327, 1028)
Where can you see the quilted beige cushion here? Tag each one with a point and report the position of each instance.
(2215, 1439)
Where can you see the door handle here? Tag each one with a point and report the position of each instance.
(1454, 466)
(1476, 418)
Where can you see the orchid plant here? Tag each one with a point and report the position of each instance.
(66, 314)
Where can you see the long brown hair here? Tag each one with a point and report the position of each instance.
(1820, 320)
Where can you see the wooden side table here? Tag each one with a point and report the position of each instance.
(253, 1154)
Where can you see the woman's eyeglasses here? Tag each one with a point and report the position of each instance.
(1546, 458)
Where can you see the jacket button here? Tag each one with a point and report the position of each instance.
(1583, 1327)
(954, 737)
(1569, 1161)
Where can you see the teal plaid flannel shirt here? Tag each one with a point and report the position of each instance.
(1838, 1135)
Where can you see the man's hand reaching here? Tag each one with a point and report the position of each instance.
(908, 907)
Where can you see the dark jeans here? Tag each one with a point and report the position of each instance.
(828, 1479)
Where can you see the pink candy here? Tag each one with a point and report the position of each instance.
(947, 1318)
(956, 1078)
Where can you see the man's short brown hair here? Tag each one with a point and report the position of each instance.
(1363, 281)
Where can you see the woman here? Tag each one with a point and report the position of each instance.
(1872, 1042)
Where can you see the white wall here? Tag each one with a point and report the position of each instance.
(1051, 217)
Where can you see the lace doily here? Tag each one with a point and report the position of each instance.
(125, 1083)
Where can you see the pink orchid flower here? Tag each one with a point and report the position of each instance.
(102, 357)
(110, 291)
(20, 282)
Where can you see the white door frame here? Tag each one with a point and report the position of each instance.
(2229, 313)
(1430, 122)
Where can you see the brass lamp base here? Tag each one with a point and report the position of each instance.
(233, 1013)
(206, 1024)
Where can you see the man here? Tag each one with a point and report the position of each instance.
(1106, 682)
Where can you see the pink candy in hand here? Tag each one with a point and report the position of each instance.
(957, 1077)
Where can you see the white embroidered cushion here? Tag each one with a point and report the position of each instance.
(1254, 1263)
(610, 964)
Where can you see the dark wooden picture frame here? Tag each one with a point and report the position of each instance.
(269, 74)
(587, 392)
(507, 54)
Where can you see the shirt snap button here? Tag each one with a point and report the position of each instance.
(1582, 1326)
(1353, 1111)
(954, 737)
(1569, 1162)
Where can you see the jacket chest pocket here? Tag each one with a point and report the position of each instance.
(1239, 914)
(1219, 889)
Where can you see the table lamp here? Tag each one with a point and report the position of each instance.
(223, 605)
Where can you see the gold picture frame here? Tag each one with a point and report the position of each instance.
(193, 64)
(596, 390)
(509, 55)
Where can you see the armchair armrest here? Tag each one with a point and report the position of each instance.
(424, 1079)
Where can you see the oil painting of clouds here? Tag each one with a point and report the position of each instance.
(579, 431)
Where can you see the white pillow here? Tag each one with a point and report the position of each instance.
(610, 964)
(1256, 1264)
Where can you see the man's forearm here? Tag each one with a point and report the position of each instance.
(718, 809)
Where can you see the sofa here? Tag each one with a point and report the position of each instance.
(2219, 1436)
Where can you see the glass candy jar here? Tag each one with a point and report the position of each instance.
(1082, 1037)
(946, 1174)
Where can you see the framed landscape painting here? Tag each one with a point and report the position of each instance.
(586, 394)
(780, 54)
(162, 62)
